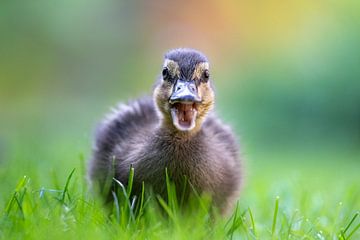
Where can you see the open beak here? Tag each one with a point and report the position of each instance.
(184, 101)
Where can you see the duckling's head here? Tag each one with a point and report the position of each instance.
(184, 95)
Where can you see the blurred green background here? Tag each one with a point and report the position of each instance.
(287, 76)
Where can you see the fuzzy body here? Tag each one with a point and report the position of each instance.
(133, 136)
(158, 133)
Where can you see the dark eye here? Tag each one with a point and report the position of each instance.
(206, 75)
(165, 73)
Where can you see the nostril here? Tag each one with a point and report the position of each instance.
(178, 88)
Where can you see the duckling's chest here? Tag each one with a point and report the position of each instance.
(180, 158)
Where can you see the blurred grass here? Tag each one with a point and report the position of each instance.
(308, 201)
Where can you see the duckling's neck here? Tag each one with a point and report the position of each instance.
(169, 130)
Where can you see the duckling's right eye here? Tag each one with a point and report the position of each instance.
(166, 73)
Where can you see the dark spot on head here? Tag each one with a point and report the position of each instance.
(187, 59)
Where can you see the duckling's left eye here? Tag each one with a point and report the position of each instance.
(206, 75)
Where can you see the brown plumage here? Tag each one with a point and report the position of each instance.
(175, 129)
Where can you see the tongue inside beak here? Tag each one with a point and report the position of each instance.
(184, 115)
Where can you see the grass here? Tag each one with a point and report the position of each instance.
(272, 206)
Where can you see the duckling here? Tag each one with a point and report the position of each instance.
(175, 129)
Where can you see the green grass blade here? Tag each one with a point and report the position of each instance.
(122, 188)
(198, 197)
(108, 183)
(232, 228)
(351, 222)
(353, 231)
(291, 224)
(183, 192)
(342, 236)
(20, 207)
(237, 222)
(117, 207)
(127, 203)
(10, 203)
(21, 184)
(168, 186)
(166, 208)
(252, 221)
(276, 210)
(171, 193)
(130, 181)
(142, 198)
(66, 187)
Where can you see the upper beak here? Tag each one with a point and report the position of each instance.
(184, 91)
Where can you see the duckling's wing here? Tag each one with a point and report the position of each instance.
(222, 134)
(125, 123)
